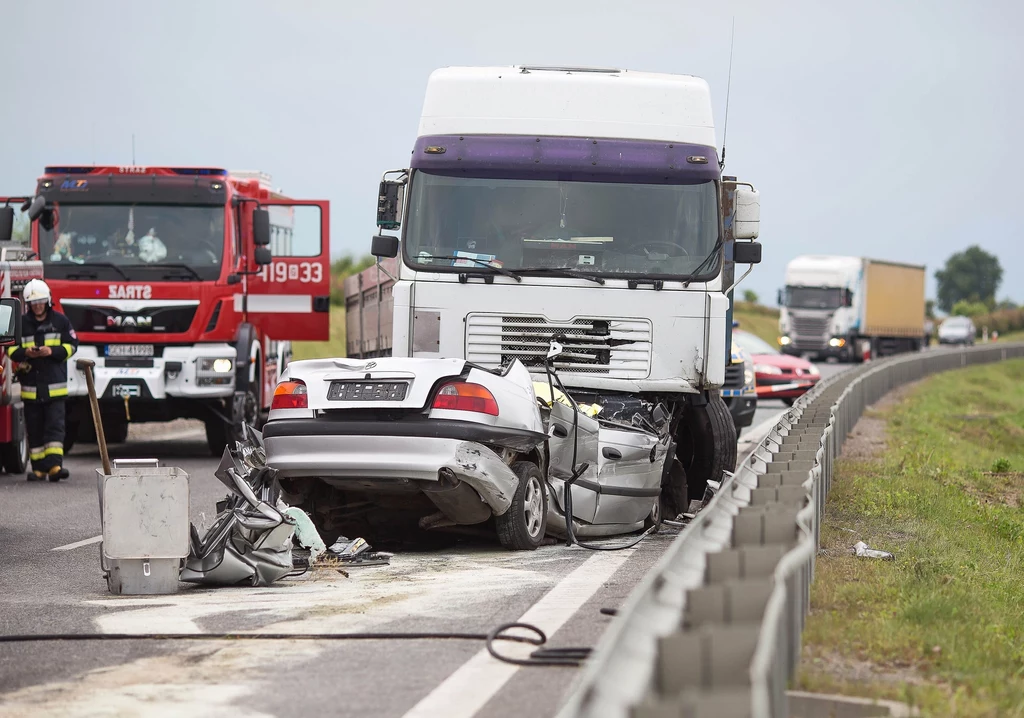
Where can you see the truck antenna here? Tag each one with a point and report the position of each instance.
(728, 89)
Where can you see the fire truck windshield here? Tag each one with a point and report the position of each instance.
(134, 242)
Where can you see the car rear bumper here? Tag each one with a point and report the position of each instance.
(389, 463)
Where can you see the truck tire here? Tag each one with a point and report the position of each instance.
(14, 456)
(216, 435)
(523, 526)
(709, 446)
(115, 432)
(674, 499)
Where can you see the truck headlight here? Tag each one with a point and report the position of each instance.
(217, 366)
(785, 341)
(837, 342)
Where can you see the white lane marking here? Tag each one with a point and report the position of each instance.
(78, 544)
(469, 688)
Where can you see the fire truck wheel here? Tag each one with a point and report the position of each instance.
(14, 455)
(115, 432)
(216, 435)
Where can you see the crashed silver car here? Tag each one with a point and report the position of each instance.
(369, 446)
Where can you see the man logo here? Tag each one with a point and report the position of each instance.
(130, 322)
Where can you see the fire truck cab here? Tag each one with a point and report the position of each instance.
(185, 285)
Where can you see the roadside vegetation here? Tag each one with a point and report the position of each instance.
(758, 319)
(937, 480)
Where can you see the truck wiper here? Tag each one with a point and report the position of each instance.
(483, 263)
(107, 265)
(185, 267)
(704, 264)
(561, 272)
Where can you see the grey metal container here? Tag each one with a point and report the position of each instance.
(144, 511)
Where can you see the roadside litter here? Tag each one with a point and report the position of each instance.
(861, 549)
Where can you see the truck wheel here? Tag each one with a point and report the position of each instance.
(674, 499)
(523, 526)
(14, 456)
(115, 432)
(709, 446)
(216, 435)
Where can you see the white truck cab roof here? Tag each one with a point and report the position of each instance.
(572, 102)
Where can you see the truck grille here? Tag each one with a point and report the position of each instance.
(733, 376)
(810, 327)
(616, 348)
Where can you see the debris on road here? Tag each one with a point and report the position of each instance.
(861, 549)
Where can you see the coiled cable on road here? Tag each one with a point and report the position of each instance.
(540, 657)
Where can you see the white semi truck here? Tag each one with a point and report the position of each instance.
(846, 307)
(579, 204)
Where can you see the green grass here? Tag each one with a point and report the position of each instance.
(333, 347)
(942, 627)
(758, 320)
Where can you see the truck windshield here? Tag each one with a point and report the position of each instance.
(134, 242)
(604, 228)
(814, 297)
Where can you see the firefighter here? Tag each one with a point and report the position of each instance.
(48, 341)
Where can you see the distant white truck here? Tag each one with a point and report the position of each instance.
(845, 307)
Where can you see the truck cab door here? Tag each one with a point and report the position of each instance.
(290, 298)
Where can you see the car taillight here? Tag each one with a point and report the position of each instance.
(463, 396)
(290, 395)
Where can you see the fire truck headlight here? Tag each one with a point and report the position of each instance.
(218, 366)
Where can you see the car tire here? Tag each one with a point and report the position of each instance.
(789, 401)
(653, 520)
(523, 525)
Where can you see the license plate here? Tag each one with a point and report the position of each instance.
(130, 350)
(126, 390)
(367, 391)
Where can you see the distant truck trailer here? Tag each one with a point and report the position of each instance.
(846, 307)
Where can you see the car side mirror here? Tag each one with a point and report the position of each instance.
(10, 322)
(746, 252)
(262, 256)
(384, 246)
(747, 220)
(261, 227)
(6, 223)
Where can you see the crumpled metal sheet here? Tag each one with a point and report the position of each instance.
(250, 541)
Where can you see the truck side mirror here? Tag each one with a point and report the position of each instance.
(36, 208)
(746, 252)
(780, 298)
(746, 223)
(262, 256)
(847, 298)
(384, 246)
(6, 223)
(261, 227)
(389, 204)
(10, 321)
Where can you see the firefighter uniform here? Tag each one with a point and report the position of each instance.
(44, 388)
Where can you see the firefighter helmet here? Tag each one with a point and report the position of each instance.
(36, 290)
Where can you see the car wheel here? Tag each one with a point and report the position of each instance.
(789, 401)
(14, 455)
(653, 520)
(523, 526)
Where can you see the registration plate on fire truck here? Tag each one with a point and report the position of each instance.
(129, 350)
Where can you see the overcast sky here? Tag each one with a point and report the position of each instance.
(887, 129)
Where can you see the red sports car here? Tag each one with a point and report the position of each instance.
(778, 375)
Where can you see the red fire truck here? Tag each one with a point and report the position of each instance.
(16, 268)
(185, 285)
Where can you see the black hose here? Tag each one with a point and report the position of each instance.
(541, 657)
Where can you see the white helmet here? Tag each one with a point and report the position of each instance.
(36, 290)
